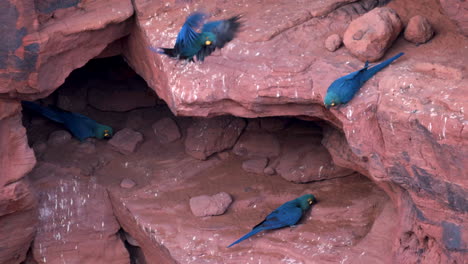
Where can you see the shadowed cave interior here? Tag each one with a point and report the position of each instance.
(138, 201)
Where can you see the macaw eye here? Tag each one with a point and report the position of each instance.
(207, 42)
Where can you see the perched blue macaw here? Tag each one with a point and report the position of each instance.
(343, 89)
(191, 43)
(80, 126)
(287, 214)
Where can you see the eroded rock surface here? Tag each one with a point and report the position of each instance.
(208, 136)
(76, 220)
(412, 112)
(18, 207)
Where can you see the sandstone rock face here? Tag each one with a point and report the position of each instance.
(18, 209)
(205, 205)
(405, 130)
(208, 136)
(418, 30)
(456, 11)
(369, 36)
(76, 222)
(39, 60)
(255, 165)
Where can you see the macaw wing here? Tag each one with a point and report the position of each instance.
(280, 218)
(224, 30)
(188, 33)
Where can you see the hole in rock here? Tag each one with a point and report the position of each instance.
(143, 178)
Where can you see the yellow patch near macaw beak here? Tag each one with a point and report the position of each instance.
(310, 201)
(207, 42)
(333, 104)
(106, 133)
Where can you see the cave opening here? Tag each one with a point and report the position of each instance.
(141, 181)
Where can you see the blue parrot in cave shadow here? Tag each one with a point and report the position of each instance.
(343, 89)
(287, 214)
(213, 35)
(82, 127)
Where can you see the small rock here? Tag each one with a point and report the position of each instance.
(205, 205)
(207, 136)
(255, 165)
(370, 35)
(269, 171)
(418, 30)
(223, 155)
(59, 137)
(126, 140)
(127, 183)
(333, 42)
(257, 144)
(166, 130)
(87, 147)
(39, 148)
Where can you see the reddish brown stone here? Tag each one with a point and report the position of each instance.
(255, 165)
(59, 137)
(304, 159)
(208, 136)
(75, 216)
(257, 144)
(418, 30)
(205, 205)
(369, 36)
(126, 140)
(166, 130)
(18, 210)
(333, 42)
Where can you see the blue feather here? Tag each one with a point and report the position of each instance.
(342, 90)
(80, 126)
(287, 214)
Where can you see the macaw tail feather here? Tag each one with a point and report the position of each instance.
(45, 111)
(251, 233)
(373, 70)
(167, 51)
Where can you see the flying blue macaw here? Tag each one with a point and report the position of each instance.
(192, 42)
(80, 126)
(343, 89)
(287, 214)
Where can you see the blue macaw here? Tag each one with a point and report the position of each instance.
(343, 89)
(190, 43)
(80, 126)
(287, 214)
